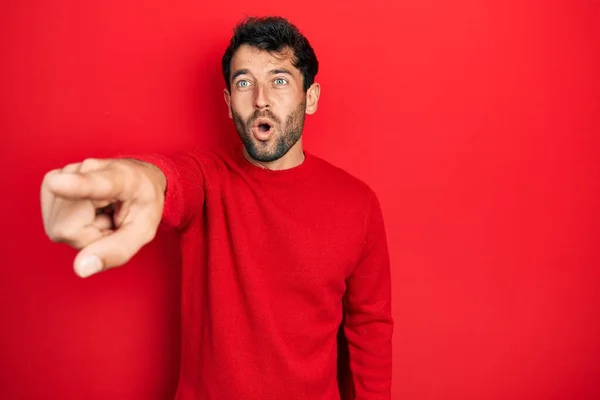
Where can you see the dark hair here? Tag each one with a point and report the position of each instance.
(273, 34)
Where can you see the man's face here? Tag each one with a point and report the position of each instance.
(267, 102)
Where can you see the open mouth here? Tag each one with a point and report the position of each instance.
(264, 127)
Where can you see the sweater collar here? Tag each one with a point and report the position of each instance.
(299, 172)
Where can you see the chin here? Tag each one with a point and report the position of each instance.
(266, 151)
(264, 156)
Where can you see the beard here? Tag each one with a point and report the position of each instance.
(285, 135)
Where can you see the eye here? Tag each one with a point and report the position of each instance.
(280, 81)
(242, 83)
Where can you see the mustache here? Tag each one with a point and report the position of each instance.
(262, 114)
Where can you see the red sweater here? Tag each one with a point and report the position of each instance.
(273, 263)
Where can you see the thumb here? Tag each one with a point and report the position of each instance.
(113, 250)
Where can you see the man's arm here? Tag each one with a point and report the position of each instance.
(108, 209)
(185, 183)
(368, 321)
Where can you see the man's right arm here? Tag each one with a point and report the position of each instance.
(143, 191)
(185, 181)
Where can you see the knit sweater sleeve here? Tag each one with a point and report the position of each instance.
(185, 175)
(368, 315)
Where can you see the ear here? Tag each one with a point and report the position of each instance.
(312, 98)
(227, 97)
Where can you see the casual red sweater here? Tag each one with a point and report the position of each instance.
(273, 263)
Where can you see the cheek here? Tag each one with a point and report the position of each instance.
(241, 107)
(241, 99)
(286, 103)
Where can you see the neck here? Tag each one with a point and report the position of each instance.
(293, 158)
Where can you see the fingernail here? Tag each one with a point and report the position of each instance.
(89, 266)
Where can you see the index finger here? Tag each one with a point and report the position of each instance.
(103, 184)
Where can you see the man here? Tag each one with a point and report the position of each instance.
(279, 247)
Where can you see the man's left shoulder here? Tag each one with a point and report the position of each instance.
(339, 181)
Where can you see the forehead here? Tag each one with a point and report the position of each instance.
(258, 60)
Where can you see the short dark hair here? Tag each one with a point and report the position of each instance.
(273, 34)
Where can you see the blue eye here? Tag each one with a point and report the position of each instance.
(242, 83)
(280, 81)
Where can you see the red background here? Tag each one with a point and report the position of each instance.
(476, 122)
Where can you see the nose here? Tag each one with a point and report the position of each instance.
(261, 98)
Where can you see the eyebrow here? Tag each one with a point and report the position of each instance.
(280, 71)
(239, 72)
(245, 71)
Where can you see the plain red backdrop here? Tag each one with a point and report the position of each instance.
(476, 122)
